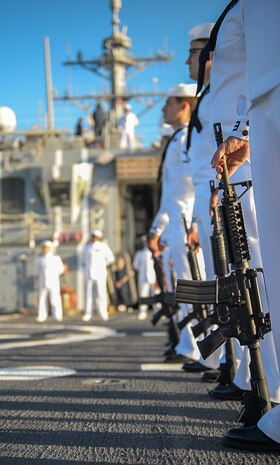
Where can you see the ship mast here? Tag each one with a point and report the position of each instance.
(116, 64)
(117, 47)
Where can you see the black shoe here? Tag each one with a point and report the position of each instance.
(169, 352)
(194, 367)
(227, 392)
(210, 376)
(250, 438)
(177, 358)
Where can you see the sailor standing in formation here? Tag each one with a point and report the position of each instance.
(258, 21)
(198, 147)
(238, 37)
(177, 198)
(231, 43)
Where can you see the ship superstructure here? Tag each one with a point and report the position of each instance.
(56, 186)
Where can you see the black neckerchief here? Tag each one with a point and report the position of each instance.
(195, 121)
(210, 46)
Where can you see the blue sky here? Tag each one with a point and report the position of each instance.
(153, 25)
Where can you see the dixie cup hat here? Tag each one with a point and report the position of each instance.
(200, 31)
(48, 244)
(182, 90)
(97, 233)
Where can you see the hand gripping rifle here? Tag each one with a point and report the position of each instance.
(240, 314)
(199, 310)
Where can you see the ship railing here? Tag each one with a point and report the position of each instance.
(31, 228)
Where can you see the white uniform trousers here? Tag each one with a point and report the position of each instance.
(205, 230)
(203, 220)
(147, 290)
(53, 294)
(242, 378)
(96, 295)
(265, 155)
(187, 345)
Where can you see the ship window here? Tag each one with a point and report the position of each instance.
(59, 194)
(13, 195)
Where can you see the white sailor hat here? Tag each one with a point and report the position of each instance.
(97, 233)
(48, 244)
(200, 31)
(182, 90)
(127, 106)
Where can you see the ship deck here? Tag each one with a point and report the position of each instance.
(76, 393)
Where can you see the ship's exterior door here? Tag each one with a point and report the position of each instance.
(13, 195)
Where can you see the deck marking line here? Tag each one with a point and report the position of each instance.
(154, 333)
(33, 372)
(161, 367)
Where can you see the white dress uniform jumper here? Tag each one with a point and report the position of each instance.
(97, 256)
(49, 268)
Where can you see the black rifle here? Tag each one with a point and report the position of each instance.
(221, 269)
(167, 301)
(240, 314)
(199, 310)
(209, 318)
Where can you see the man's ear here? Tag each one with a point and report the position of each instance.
(185, 105)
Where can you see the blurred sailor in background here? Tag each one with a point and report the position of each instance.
(97, 256)
(49, 269)
(146, 278)
(127, 123)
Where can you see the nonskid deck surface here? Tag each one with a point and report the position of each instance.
(75, 393)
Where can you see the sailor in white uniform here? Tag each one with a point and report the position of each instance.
(199, 151)
(97, 256)
(146, 278)
(177, 198)
(258, 21)
(230, 58)
(199, 143)
(167, 261)
(49, 269)
(127, 122)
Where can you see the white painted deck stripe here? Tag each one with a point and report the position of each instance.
(154, 334)
(55, 341)
(161, 367)
(33, 372)
(95, 335)
(15, 336)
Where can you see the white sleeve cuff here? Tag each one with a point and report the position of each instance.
(159, 224)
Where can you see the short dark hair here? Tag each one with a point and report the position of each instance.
(191, 100)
